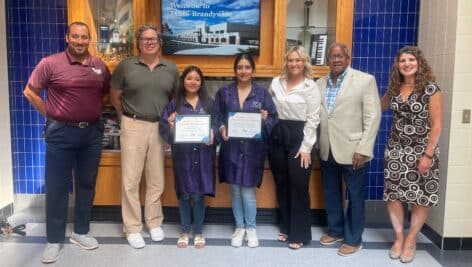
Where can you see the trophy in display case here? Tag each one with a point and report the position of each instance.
(114, 25)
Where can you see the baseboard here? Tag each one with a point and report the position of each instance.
(376, 215)
(447, 243)
(212, 215)
(376, 212)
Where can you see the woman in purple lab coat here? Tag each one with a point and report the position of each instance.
(241, 161)
(193, 164)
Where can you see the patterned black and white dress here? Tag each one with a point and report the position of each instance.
(406, 145)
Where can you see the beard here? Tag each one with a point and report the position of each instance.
(78, 52)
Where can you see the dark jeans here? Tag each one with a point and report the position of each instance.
(192, 205)
(70, 150)
(291, 181)
(349, 225)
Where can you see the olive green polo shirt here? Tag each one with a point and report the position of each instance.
(145, 92)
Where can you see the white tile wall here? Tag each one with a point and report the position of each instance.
(6, 176)
(446, 42)
(458, 225)
(429, 40)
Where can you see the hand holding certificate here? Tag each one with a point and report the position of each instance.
(192, 129)
(244, 125)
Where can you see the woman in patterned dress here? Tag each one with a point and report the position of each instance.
(412, 156)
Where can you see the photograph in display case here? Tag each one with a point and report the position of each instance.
(210, 27)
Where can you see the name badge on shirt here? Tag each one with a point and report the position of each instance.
(257, 104)
(97, 71)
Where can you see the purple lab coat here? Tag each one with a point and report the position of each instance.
(193, 164)
(241, 161)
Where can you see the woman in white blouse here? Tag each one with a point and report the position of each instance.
(297, 99)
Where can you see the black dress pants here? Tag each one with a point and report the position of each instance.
(291, 180)
(70, 149)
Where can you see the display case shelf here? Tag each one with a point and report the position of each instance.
(317, 23)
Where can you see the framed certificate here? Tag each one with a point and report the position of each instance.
(244, 125)
(192, 129)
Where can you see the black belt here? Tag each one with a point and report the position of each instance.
(141, 118)
(80, 124)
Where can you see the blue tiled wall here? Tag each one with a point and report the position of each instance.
(35, 28)
(381, 28)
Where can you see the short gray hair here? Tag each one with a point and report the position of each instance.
(340, 45)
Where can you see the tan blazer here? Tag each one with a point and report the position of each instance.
(354, 120)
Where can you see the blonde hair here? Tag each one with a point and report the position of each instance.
(303, 55)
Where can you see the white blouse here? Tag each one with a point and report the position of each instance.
(301, 103)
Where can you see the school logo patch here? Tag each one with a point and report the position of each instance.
(97, 71)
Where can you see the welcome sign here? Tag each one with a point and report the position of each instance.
(210, 27)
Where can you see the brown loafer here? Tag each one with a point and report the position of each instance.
(327, 240)
(347, 250)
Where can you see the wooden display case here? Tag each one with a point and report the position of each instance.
(272, 35)
(108, 188)
(269, 64)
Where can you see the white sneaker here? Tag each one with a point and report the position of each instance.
(157, 234)
(136, 240)
(251, 236)
(51, 253)
(84, 241)
(237, 237)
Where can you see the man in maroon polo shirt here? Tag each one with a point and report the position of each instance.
(76, 84)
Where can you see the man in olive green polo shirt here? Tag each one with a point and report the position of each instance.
(140, 88)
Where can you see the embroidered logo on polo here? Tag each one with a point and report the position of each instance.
(97, 71)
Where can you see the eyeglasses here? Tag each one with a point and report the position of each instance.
(149, 40)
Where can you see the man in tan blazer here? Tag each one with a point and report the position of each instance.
(350, 117)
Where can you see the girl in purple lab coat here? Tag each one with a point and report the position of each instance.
(193, 164)
(241, 161)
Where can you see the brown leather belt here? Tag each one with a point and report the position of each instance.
(141, 118)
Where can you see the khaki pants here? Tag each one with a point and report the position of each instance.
(141, 149)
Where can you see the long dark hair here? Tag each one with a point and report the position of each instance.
(202, 92)
(240, 57)
(423, 77)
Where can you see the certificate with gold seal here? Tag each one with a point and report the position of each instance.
(192, 129)
(244, 125)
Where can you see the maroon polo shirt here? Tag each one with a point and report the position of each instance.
(74, 90)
